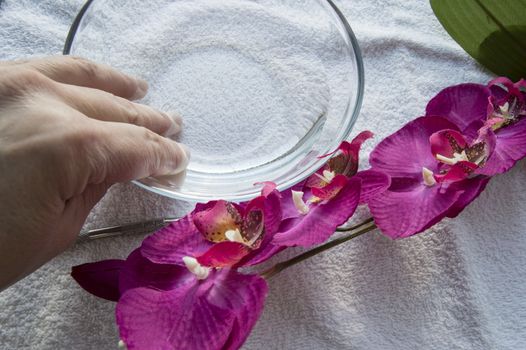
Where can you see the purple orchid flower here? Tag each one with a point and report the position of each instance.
(497, 109)
(231, 235)
(433, 170)
(313, 209)
(166, 306)
(179, 289)
(222, 234)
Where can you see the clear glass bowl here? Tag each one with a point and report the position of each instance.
(265, 87)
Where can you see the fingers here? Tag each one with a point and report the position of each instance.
(103, 106)
(110, 149)
(82, 72)
(124, 152)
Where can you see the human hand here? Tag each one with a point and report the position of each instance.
(68, 131)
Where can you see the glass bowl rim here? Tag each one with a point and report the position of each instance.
(293, 179)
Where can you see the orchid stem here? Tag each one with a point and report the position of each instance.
(352, 228)
(355, 231)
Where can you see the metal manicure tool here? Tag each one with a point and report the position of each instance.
(142, 227)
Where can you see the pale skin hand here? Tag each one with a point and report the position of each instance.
(68, 131)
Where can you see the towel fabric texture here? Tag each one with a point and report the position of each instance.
(460, 285)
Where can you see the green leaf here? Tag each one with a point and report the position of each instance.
(492, 31)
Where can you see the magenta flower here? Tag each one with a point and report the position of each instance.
(313, 209)
(497, 109)
(433, 175)
(315, 218)
(221, 234)
(178, 290)
(166, 306)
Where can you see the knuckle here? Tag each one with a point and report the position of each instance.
(151, 138)
(80, 141)
(152, 147)
(21, 81)
(90, 69)
(88, 144)
(155, 147)
(30, 77)
(76, 60)
(134, 115)
(148, 117)
(166, 122)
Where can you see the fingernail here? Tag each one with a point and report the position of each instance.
(185, 159)
(142, 89)
(186, 150)
(175, 180)
(176, 125)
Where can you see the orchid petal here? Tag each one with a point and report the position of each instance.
(512, 89)
(287, 204)
(217, 313)
(317, 179)
(139, 271)
(268, 187)
(350, 147)
(504, 81)
(447, 143)
(456, 172)
(253, 225)
(498, 97)
(170, 244)
(248, 310)
(322, 220)
(265, 252)
(461, 104)
(401, 214)
(373, 183)
(273, 217)
(346, 163)
(224, 254)
(217, 217)
(362, 137)
(471, 189)
(407, 151)
(100, 278)
(332, 189)
(510, 147)
(149, 319)
(272, 213)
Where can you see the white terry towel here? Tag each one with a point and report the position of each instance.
(458, 286)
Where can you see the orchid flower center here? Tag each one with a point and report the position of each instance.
(328, 175)
(507, 113)
(457, 157)
(505, 109)
(429, 178)
(200, 272)
(299, 203)
(234, 236)
(502, 117)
